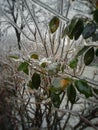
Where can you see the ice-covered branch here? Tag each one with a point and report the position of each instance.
(13, 24)
(46, 7)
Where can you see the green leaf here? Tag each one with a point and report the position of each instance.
(89, 30)
(72, 26)
(96, 52)
(34, 56)
(53, 89)
(89, 56)
(14, 57)
(83, 88)
(78, 29)
(54, 24)
(73, 63)
(44, 64)
(36, 80)
(71, 93)
(82, 51)
(74, 29)
(24, 67)
(95, 37)
(95, 90)
(69, 29)
(55, 99)
(95, 15)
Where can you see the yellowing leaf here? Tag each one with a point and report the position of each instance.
(64, 83)
(97, 4)
(61, 84)
(54, 24)
(34, 56)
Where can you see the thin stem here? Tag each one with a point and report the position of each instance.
(51, 44)
(86, 121)
(82, 118)
(62, 50)
(65, 74)
(76, 77)
(69, 114)
(60, 29)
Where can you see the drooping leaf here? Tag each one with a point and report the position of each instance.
(95, 15)
(96, 52)
(95, 37)
(78, 29)
(55, 99)
(34, 56)
(69, 29)
(89, 30)
(74, 29)
(95, 90)
(72, 26)
(36, 80)
(89, 56)
(71, 93)
(83, 88)
(73, 23)
(82, 51)
(73, 63)
(24, 67)
(54, 24)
